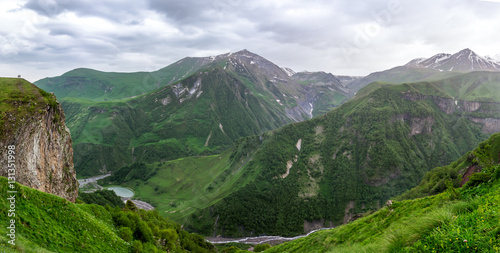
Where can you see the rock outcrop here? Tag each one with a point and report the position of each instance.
(488, 110)
(43, 145)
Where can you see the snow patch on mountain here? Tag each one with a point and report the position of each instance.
(288, 71)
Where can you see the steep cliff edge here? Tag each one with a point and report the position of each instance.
(32, 121)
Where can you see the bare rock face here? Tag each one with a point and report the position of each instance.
(490, 125)
(43, 150)
(470, 106)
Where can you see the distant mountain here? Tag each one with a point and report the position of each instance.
(465, 60)
(437, 67)
(346, 80)
(202, 106)
(328, 91)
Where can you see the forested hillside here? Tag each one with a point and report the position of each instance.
(330, 169)
(455, 220)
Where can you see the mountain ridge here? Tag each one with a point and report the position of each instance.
(464, 60)
(437, 67)
(107, 127)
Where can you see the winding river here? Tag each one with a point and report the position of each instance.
(258, 239)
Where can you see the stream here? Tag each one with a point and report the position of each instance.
(257, 239)
(85, 181)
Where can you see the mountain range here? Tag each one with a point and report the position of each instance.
(204, 106)
(330, 169)
(377, 145)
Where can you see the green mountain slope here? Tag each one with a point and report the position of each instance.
(17, 92)
(47, 223)
(219, 100)
(458, 220)
(330, 169)
(100, 86)
(170, 123)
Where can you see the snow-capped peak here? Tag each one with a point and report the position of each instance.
(464, 60)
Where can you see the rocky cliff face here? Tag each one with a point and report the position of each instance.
(488, 111)
(43, 145)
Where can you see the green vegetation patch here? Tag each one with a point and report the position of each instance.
(21, 101)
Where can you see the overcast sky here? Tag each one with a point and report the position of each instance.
(41, 38)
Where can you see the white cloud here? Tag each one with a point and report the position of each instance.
(49, 37)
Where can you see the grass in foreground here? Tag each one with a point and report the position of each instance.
(48, 223)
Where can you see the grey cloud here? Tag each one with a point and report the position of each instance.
(117, 11)
(294, 33)
(63, 31)
(184, 12)
(47, 7)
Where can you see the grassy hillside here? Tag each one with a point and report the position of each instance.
(348, 162)
(181, 187)
(47, 223)
(458, 220)
(435, 180)
(102, 86)
(19, 99)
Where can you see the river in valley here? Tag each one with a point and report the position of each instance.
(258, 239)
